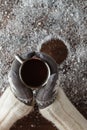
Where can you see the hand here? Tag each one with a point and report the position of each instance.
(23, 93)
(47, 94)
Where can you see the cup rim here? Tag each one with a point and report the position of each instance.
(43, 84)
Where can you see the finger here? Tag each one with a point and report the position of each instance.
(30, 54)
(47, 94)
(51, 82)
(18, 88)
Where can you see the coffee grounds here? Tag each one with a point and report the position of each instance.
(34, 121)
(56, 49)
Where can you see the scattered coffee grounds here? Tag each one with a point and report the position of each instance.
(34, 121)
(56, 49)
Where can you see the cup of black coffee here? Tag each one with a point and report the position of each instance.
(33, 72)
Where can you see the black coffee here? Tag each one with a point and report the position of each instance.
(34, 72)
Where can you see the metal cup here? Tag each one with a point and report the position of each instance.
(33, 72)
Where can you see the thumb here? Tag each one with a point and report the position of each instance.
(47, 94)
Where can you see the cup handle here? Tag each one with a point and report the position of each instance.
(18, 58)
